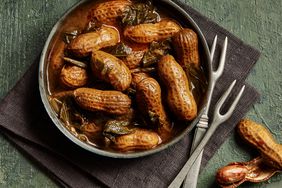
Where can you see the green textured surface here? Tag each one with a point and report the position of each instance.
(24, 27)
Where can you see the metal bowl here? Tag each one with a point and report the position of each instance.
(174, 11)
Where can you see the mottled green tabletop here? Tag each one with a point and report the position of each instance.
(24, 27)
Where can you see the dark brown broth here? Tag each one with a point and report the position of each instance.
(78, 20)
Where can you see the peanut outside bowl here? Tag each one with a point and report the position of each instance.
(174, 11)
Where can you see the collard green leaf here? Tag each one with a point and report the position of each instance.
(115, 128)
(119, 50)
(156, 51)
(138, 13)
(69, 113)
(198, 81)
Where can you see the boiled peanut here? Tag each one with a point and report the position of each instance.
(140, 139)
(147, 33)
(179, 97)
(237, 173)
(149, 102)
(231, 174)
(107, 12)
(73, 76)
(259, 137)
(111, 70)
(133, 60)
(112, 102)
(185, 43)
(85, 43)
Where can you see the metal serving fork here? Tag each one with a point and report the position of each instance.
(218, 118)
(191, 178)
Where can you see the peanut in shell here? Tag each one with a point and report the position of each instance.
(111, 102)
(179, 97)
(149, 102)
(73, 76)
(140, 139)
(111, 70)
(108, 12)
(84, 44)
(185, 43)
(149, 32)
(259, 137)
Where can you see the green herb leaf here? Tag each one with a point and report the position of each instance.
(156, 51)
(198, 81)
(119, 50)
(115, 128)
(138, 13)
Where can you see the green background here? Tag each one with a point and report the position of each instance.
(24, 27)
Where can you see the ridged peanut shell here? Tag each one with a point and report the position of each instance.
(86, 43)
(140, 139)
(73, 76)
(179, 97)
(149, 102)
(134, 59)
(259, 137)
(107, 12)
(236, 173)
(112, 102)
(185, 43)
(149, 32)
(111, 70)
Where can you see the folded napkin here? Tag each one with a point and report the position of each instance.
(25, 122)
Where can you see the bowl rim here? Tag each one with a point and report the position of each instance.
(44, 97)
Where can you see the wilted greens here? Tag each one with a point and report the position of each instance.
(142, 12)
(119, 50)
(156, 51)
(115, 128)
(198, 81)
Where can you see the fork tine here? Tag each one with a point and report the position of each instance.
(220, 68)
(213, 47)
(234, 104)
(223, 98)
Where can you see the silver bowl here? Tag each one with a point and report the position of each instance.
(174, 11)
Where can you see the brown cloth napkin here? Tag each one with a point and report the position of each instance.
(25, 122)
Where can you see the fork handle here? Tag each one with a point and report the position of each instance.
(191, 179)
(176, 183)
(192, 176)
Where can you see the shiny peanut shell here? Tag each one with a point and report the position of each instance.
(185, 43)
(179, 97)
(111, 70)
(111, 102)
(149, 102)
(140, 139)
(149, 32)
(73, 76)
(236, 173)
(134, 59)
(259, 137)
(108, 12)
(86, 43)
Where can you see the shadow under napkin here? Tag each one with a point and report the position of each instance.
(23, 114)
